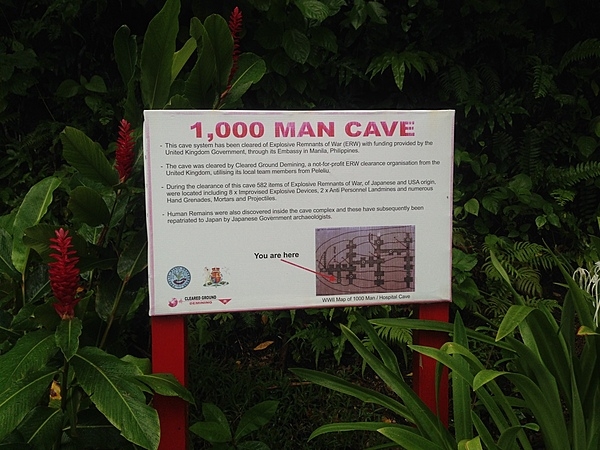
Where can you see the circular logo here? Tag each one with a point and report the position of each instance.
(179, 277)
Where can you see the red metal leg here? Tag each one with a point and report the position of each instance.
(424, 367)
(169, 354)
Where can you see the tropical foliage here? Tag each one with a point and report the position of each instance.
(523, 79)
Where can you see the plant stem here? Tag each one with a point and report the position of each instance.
(113, 313)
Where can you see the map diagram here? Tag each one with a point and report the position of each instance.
(365, 259)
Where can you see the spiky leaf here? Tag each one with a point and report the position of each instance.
(109, 383)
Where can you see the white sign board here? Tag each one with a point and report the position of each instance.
(261, 210)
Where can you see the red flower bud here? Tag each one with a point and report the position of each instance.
(235, 27)
(64, 274)
(124, 155)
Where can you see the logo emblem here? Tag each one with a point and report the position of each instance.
(179, 277)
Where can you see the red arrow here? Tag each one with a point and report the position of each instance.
(321, 274)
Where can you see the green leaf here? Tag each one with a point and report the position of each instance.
(313, 9)
(96, 84)
(21, 397)
(215, 428)
(377, 12)
(256, 417)
(125, 49)
(427, 423)
(461, 391)
(143, 364)
(399, 71)
(325, 38)
(32, 209)
(95, 432)
(472, 207)
(463, 261)
(251, 69)
(512, 319)
(43, 426)
(87, 157)
(38, 238)
(88, 207)
(509, 436)
(166, 384)
(222, 44)
(109, 383)
(6, 265)
(587, 145)
(181, 57)
(213, 432)
(470, 444)
(203, 75)
(29, 354)
(485, 376)
(67, 336)
(68, 88)
(364, 394)
(296, 45)
(353, 426)
(156, 61)
(134, 258)
(409, 439)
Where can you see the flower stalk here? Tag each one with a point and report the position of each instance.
(235, 27)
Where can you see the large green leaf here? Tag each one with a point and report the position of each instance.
(38, 238)
(203, 75)
(427, 423)
(461, 391)
(313, 9)
(364, 394)
(88, 207)
(109, 383)
(42, 427)
(216, 427)
(87, 157)
(134, 258)
(156, 61)
(29, 354)
(222, 42)
(388, 357)
(512, 319)
(125, 49)
(251, 69)
(181, 57)
(255, 418)
(6, 244)
(408, 439)
(34, 206)
(296, 45)
(21, 397)
(353, 426)
(67, 336)
(166, 384)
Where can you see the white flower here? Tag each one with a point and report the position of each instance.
(590, 282)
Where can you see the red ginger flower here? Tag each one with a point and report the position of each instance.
(64, 274)
(124, 155)
(235, 27)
